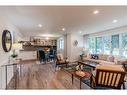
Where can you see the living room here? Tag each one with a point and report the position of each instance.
(61, 47)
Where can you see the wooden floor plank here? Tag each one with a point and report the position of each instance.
(44, 76)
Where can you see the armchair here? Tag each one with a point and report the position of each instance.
(61, 61)
(124, 63)
(108, 77)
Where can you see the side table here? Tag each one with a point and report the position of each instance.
(80, 75)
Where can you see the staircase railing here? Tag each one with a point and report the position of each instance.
(15, 73)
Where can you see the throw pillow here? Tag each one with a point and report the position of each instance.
(94, 56)
(110, 58)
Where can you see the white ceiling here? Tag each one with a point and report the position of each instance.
(73, 18)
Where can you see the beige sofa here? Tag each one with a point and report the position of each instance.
(103, 59)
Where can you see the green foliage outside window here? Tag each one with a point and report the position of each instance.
(92, 45)
(115, 44)
(124, 41)
(124, 44)
(99, 45)
(107, 44)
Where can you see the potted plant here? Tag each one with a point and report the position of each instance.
(14, 56)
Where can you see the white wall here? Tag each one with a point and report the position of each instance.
(68, 48)
(70, 51)
(86, 41)
(73, 52)
(110, 32)
(3, 55)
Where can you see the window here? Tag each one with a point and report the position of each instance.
(61, 44)
(124, 41)
(124, 44)
(107, 44)
(99, 45)
(92, 45)
(115, 44)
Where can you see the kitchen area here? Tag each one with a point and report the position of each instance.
(38, 48)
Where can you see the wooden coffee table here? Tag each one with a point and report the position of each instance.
(89, 64)
(80, 75)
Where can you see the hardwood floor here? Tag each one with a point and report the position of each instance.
(44, 76)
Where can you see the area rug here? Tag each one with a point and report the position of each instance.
(72, 67)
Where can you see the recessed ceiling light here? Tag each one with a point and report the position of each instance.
(63, 29)
(46, 35)
(80, 32)
(47, 38)
(39, 25)
(95, 12)
(114, 21)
